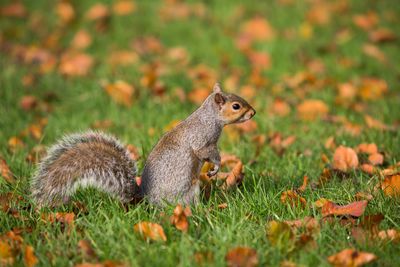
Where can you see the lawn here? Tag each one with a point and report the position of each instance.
(322, 75)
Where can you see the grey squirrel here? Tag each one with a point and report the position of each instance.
(171, 172)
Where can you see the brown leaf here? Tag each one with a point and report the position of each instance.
(374, 124)
(66, 218)
(82, 40)
(330, 143)
(75, 64)
(187, 211)
(372, 88)
(390, 234)
(321, 202)
(241, 257)
(309, 224)
(391, 185)
(290, 197)
(375, 52)
(14, 144)
(279, 231)
(312, 109)
(98, 11)
(367, 148)
(121, 92)
(280, 108)
(234, 177)
(35, 130)
(258, 29)
(86, 248)
(367, 21)
(124, 7)
(382, 35)
(179, 219)
(123, 58)
(303, 186)
(354, 209)
(28, 103)
(362, 195)
(371, 222)
(198, 95)
(344, 159)
(5, 171)
(151, 230)
(13, 9)
(350, 257)
(376, 159)
(29, 257)
(368, 168)
(259, 60)
(65, 11)
(203, 258)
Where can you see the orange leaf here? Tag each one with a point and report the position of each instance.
(368, 168)
(234, 176)
(259, 60)
(13, 9)
(75, 64)
(124, 7)
(367, 148)
(366, 22)
(30, 258)
(390, 234)
(6, 255)
(391, 185)
(375, 52)
(28, 103)
(241, 256)
(293, 199)
(150, 230)
(82, 40)
(123, 58)
(344, 159)
(374, 124)
(14, 144)
(350, 257)
(86, 248)
(35, 130)
(312, 109)
(179, 219)
(310, 224)
(321, 202)
(382, 35)
(258, 29)
(5, 171)
(98, 11)
(376, 158)
(355, 209)
(198, 95)
(65, 11)
(121, 92)
(303, 186)
(280, 108)
(362, 195)
(66, 218)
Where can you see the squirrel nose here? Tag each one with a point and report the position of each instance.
(252, 112)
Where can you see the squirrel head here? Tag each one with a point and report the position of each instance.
(232, 108)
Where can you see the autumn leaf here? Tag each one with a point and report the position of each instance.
(123, 58)
(65, 11)
(350, 257)
(391, 185)
(5, 171)
(259, 60)
(75, 64)
(234, 177)
(66, 218)
(362, 195)
(203, 258)
(241, 257)
(367, 148)
(28, 103)
(308, 224)
(198, 95)
(279, 233)
(151, 230)
(382, 35)
(258, 29)
(354, 209)
(372, 88)
(312, 109)
(374, 124)
(280, 107)
(344, 159)
(124, 7)
(13, 9)
(121, 92)
(368, 168)
(15, 143)
(35, 130)
(367, 21)
(374, 52)
(292, 198)
(390, 234)
(179, 219)
(29, 257)
(81, 40)
(98, 11)
(321, 202)
(86, 248)
(376, 159)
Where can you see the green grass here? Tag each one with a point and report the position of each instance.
(210, 40)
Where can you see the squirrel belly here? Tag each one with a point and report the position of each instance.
(81, 160)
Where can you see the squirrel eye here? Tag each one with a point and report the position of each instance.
(236, 106)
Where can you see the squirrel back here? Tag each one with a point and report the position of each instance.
(80, 160)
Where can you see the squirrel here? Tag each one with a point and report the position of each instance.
(171, 172)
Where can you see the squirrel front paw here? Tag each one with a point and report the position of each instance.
(213, 171)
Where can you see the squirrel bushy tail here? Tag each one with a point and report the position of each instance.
(80, 160)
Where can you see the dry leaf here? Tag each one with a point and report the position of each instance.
(344, 159)
(258, 29)
(321, 202)
(351, 258)
(391, 185)
(368, 168)
(5, 171)
(35, 130)
(198, 95)
(234, 177)
(123, 7)
(150, 230)
(374, 124)
(372, 88)
(309, 224)
(367, 21)
(75, 64)
(98, 11)
(375, 52)
(312, 109)
(14, 144)
(376, 159)
(86, 248)
(29, 257)
(362, 195)
(28, 103)
(241, 257)
(82, 40)
(279, 232)
(123, 58)
(13, 9)
(367, 148)
(66, 218)
(303, 186)
(390, 234)
(121, 92)
(203, 258)
(65, 11)
(280, 108)
(382, 35)
(179, 219)
(354, 209)
(290, 197)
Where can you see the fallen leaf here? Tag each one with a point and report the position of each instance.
(350, 257)
(390, 234)
(354, 209)
(86, 248)
(367, 21)
(121, 92)
(203, 258)
(65, 11)
(371, 222)
(75, 64)
(123, 58)
(6, 255)
(303, 186)
(81, 40)
(344, 159)
(292, 198)
(308, 224)
(123, 7)
(98, 11)
(362, 195)
(312, 109)
(179, 219)
(372, 88)
(281, 108)
(374, 124)
(373, 51)
(14, 144)
(368, 168)
(35, 130)
(376, 159)
(29, 257)
(66, 218)
(241, 257)
(5, 171)
(198, 95)
(150, 230)
(259, 60)
(367, 148)
(13, 9)
(330, 143)
(234, 177)
(28, 103)
(279, 233)
(321, 202)
(258, 29)
(382, 35)
(391, 185)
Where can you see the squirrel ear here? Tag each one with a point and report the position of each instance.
(217, 88)
(219, 100)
